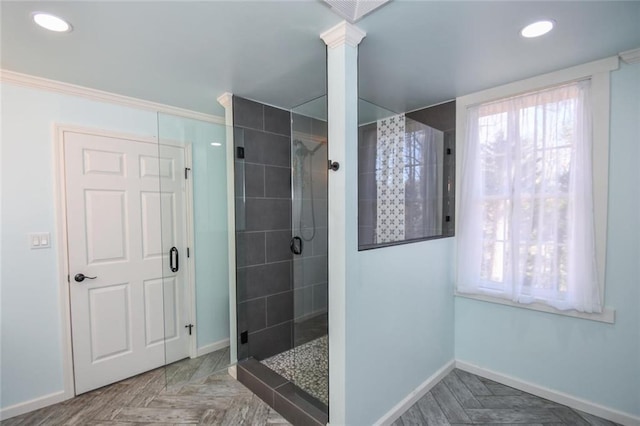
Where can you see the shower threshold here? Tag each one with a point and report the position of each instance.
(289, 400)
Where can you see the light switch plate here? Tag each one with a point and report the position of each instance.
(38, 240)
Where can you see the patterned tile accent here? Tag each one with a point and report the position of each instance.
(390, 179)
(307, 366)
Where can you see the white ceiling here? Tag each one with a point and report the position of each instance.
(416, 53)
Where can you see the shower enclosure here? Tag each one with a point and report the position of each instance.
(281, 254)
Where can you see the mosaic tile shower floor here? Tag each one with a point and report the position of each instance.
(307, 366)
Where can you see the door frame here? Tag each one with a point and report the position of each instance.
(60, 214)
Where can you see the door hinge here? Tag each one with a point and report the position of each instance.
(68, 278)
(244, 337)
(186, 172)
(188, 252)
(190, 327)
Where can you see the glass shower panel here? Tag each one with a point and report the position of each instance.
(401, 178)
(195, 291)
(309, 174)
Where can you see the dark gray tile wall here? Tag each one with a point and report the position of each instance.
(443, 118)
(310, 183)
(367, 190)
(263, 221)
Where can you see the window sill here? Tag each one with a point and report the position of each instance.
(608, 315)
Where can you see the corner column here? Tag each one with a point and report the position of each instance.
(342, 104)
(226, 100)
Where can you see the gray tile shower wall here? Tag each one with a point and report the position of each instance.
(263, 222)
(310, 214)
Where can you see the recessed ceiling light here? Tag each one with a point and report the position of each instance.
(537, 29)
(51, 22)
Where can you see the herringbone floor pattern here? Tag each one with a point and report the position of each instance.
(199, 391)
(464, 398)
(193, 391)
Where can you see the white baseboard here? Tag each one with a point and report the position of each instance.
(34, 404)
(413, 397)
(54, 398)
(233, 371)
(552, 395)
(212, 347)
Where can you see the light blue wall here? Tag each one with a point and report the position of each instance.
(209, 172)
(31, 331)
(589, 360)
(399, 325)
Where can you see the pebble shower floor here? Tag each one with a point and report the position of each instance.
(307, 366)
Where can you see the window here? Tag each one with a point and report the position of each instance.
(529, 230)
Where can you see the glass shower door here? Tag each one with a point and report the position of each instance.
(309, 243)
(195, 290)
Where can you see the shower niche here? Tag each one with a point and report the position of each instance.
(281, 256)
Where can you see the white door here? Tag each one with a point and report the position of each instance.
(120, 230)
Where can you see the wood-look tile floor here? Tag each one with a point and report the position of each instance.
(464, 398)
(192, 391)
(199, 391)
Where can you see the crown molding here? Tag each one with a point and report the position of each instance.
(631, 56)
(31, 81)
(343, 33)
(225, 99)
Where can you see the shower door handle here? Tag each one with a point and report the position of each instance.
(296, 245)
(174, 261)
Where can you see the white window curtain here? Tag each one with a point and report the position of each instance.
(525, 225)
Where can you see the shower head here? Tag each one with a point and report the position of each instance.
(303, 151)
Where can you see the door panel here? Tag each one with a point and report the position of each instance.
(123, 319)
(154, 312)
(105, 213)
(110, 319)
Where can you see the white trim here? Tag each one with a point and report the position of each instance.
(631, 56)
(608, 315)
(343, 33)
(212, 347)
(413, 397)
(599, 73)
(26, 80)
(32, 405)
(226, 100)
(540, 82)
(552, 395)
(109, 134)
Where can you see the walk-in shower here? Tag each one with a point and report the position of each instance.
(281, 255)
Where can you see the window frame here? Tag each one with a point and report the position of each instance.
(599, 73)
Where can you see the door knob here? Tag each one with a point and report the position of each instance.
(80, 277)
